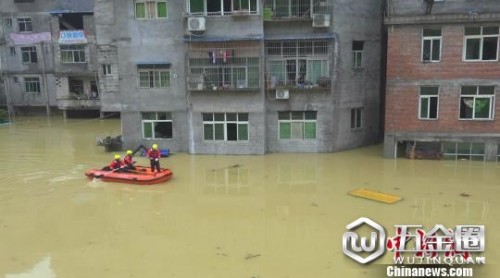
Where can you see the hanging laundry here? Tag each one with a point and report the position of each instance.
(212, 56)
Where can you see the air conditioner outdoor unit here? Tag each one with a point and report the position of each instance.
(321, 20)
(196, 24)
(282, 94)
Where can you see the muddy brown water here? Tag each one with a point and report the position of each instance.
(273, 215)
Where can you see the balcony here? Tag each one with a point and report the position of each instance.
(78, 103)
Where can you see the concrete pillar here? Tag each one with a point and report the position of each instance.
(490, 151)
(390, 146)
(65, 115)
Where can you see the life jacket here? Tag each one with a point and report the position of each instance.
(152, 153)
(127, 160)
(115, 164)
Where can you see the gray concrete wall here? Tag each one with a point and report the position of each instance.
(361, 21)
(125, 42)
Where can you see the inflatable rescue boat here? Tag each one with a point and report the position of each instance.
(141, 175)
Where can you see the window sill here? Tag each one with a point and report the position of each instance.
(480, 61)
(424, 119)
(478, 120)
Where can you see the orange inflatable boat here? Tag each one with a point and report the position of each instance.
(141, 176)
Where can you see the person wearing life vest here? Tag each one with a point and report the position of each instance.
(154, 158)
(115, 164)
(128, 161)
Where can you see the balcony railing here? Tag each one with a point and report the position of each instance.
(295, 9)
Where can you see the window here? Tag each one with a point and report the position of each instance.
(157, 125)
(290, 8)
(28, 54)
(225, 126)
(106, 69)
(154, 76)
(297, 125)
(8, 22)
(73, 53)
(463, 151)
(12, 51)
(25, 24)
(32, 85)
(357, 54)
(476, 102)
(356, 118)
(155, 9)
(222, 7)
(481, 43)
(428, 102)
(431, 45)
(300, 64)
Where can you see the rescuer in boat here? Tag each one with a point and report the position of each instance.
(128, 161)
(154, 158)
(116, 164)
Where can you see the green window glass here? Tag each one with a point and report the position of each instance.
(285, 130)
(144, 79)
(219, 131)
(196, 6)
(208, 131)
(162, 9)
(140, 10)
(310, 131)
(148, 130)
(242, 132)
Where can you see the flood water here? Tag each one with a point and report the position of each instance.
(274, 215)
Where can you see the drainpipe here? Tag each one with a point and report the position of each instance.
(44, 78)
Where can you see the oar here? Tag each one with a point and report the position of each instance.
(101, 175)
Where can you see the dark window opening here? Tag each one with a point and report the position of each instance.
(232, 132)
(71, 21)
(490, 48)
(163, 130)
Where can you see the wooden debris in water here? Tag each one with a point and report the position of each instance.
(465, 195)
(251, 256)
(228, 167)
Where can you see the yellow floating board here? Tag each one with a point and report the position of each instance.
(375, 196)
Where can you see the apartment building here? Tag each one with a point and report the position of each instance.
(442, 79)
(48, 55)
(242, 77)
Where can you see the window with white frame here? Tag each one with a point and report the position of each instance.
(300, 64)
(32, 85)
(357, 54)
(24, 24)
(477, 102)
(73, 53)
(222, 7)
(428, 102)
(151, 9)
(356, 117)
(297, 125)
(290, 8)
(464, 151)
(431, 44)
(154, 75)
(157, 125)
(225, 126)
(28, 54)
(481, 43)
(106, 69)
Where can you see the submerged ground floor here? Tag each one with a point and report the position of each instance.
(448, 146)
